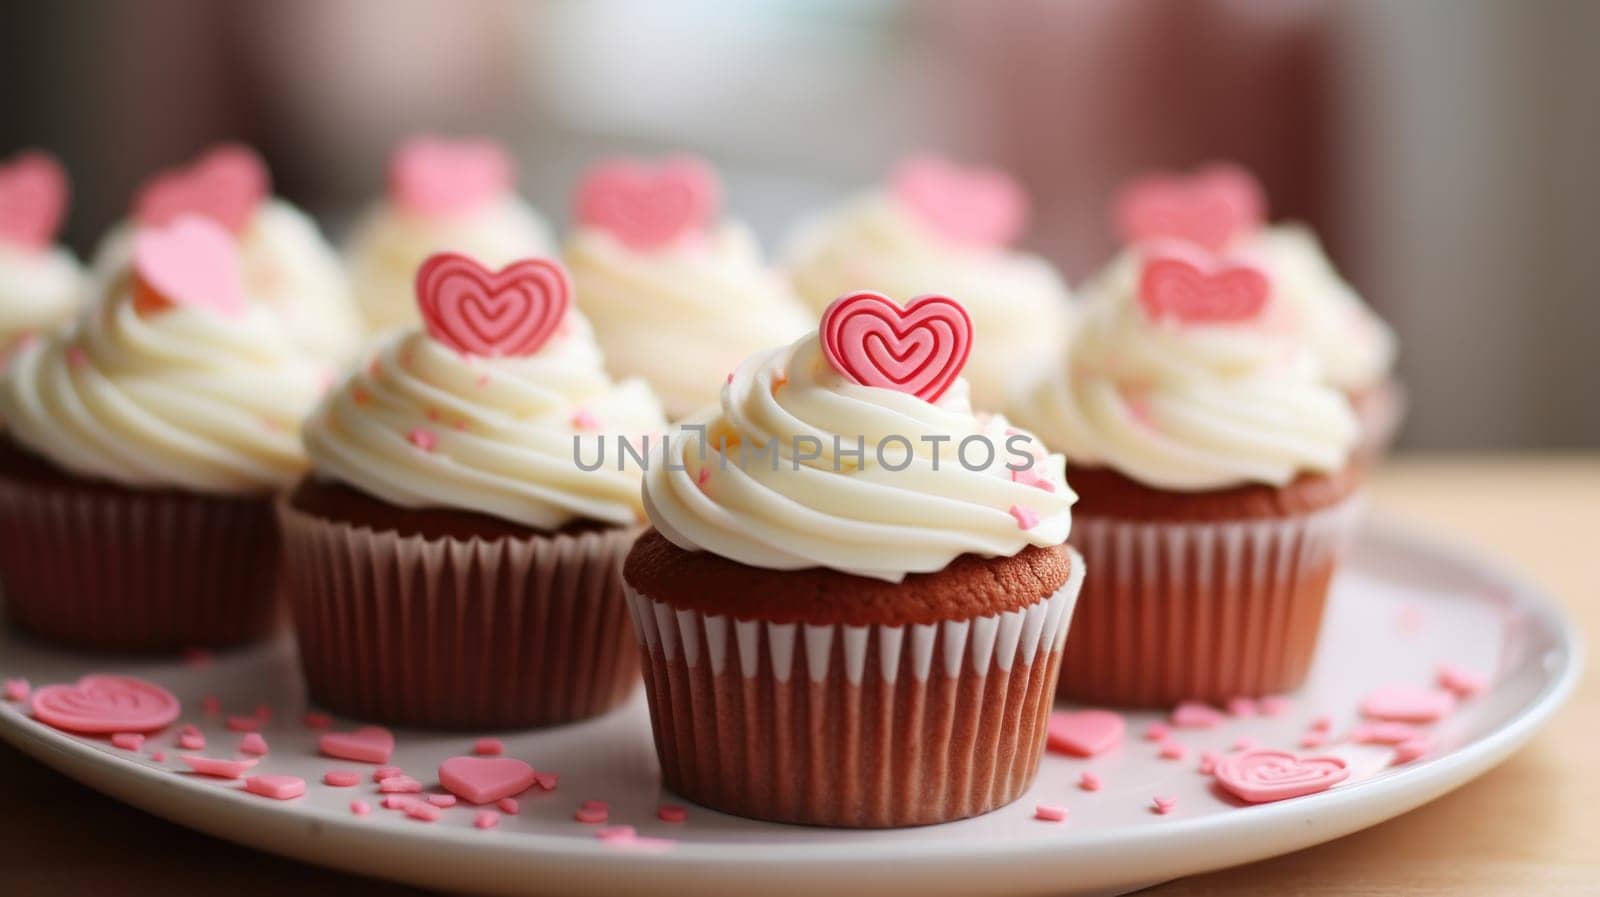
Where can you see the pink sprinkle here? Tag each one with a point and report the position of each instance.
(592, 815)
(128, 741)
(1411, 749)
(1245, 743)
(1208, 762)
(1028, 477)
(1242, 707)
(545, 780)
(276, 787)
(1322, 723)
(158, 756)
(730, 376)
(386, 772)
(218, 769)
(486, 819)
(200, 658)
(1049, 813)
(584, 420)
(76, 357)
(508, 805)
(616, 833)
(1195, 715)
(423, 812)
(317, 720)
(488, 747)
(1025, 517)
(243, 723)
(18, 690)
(360, 807)
(1273, 705)
(423, 439)
(1174, 750)
(253, 743)
(191, 741)
(671, 813)
(1313, 739)
(483, 380)
(1164, 805)
(211, 705)
(442, 800)
(1156, 732)
(703, 477)
(400, 785)
(341, 779)
(1460, 680)
(397, 802)
(1385, 733)
(1089, 782)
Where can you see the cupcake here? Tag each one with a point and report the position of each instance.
(853, 599)
(40, 285)
(288, 266)
(1216, 487)
(455, 195)
(144, 444)
(452, 560)
(938, 227)
(677, 295)
(1223, 208)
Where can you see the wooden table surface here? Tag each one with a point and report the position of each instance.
(1529, 827)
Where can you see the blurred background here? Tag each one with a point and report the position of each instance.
(1447, 150)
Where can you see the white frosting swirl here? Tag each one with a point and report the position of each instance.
(1188, 407)
(182, 399)
(38, 291)
(858, 516)
(288, 267)
(421, 425)
(1019, 304)
(390, 244)
(684, 316)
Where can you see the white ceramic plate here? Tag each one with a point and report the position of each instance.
(1403, 605)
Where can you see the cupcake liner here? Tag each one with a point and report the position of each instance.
(110, 568)
(1203, 611)
(459, 634)
(856, 726)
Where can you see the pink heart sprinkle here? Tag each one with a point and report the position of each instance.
(399, 785)
(1090, 782)
(488, 747)
(423, 812)
(1049, 813)
(584, 419)
(1463, 682)
(217, 768)
(508, 805)
(1195, 715)
(192, 263)
(1385, 733)
(225, 186)
(104, 705)
(484, 780)
(438, 177)
(276, 787)
(317, 720)
(1164, 805)
(17, 690)
(341, 779)
(442, 801)
(253, 743)
(1173, 750)
(1084, 733)
(1407, 703)
(243, 723)
(647, 206)
(1411, 749)
(1156, 732)
(978, 207)
(616, 833)
(592, 815)
(360, 808)
(1241, 707)
(386, 772)
(158, 756)
(1025, 517)
(1260, 776)
(33, 199)
(477, 312)
(397, 802)
(423, 438)
(918, 350)
(1028, 477)
(546, 780)
(486, 819)
(1273, 705)
(1181, 284)
(369, 744)
(192, 741)
(1211, 208)
(128, 741)
(671, 813)
(1208, 762)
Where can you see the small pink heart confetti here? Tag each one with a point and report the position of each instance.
(1084, 733)
(438, 177)
(980, 207)
(1260, 776)
(369, 744)
(1210, 208)
(649, 206)
(33, 199)
(484, 780)
(192, 263)
(1179, 284)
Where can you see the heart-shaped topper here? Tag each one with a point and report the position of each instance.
(1182, 283)
(102, 704)
(979, 207)
(1259, 776)
(484, 780)
(227, 185)
(437, 177)
(191, 262)
(919, 349)
(33, 199)
(1211, 208)
(648, 206)
(476, 311)
(1084, 733)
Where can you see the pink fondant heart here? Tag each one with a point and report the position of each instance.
(227, 184)
(1189, 287)
(484, 780)
(981, 207)
(480, 312)
(1407, 703)
(436, 176)
(219, 768)
(191, 262)
(103, 704)
(33, 199)
(918, 350)
(1210, 208)
(369, 744)
(649, 206)
(1085, 733)
(1260, 776)
(1195, 715)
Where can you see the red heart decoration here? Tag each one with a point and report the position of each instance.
(1192, 288)
(33, 199)
(981, 207)
(192, 262)
(481, 312)
(436, 176)
(1259, 776)
(484, 780)
(226, 184)
(1209, 208)
(918, 350)
(106, 704)
(649, 206)
(1085, 733)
